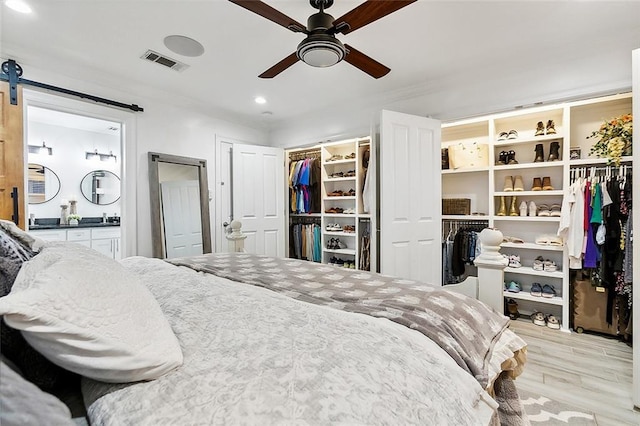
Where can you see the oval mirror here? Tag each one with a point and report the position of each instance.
(101, 187)
(43, 183)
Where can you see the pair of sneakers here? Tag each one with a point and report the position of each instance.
(513, 260)
(541, 264)
(543, 320)
(532, 211)
(513, 287)
(546, 291)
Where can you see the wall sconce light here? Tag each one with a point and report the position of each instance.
(98, 156)
(42, 150)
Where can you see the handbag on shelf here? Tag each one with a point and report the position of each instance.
(468, 155)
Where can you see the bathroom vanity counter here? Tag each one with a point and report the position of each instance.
(102, 237)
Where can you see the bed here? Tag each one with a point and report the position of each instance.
(235, 338)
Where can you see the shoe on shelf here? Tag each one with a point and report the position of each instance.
(554, 151)
(539, 153)
(512, 209)
(546, 184)
(512, 309)
(536, 290)
(335, 157)
(514, 287)
(550, 266)
(538, 319)
(551, 127)
(508, 184)
(543, 210)
(538, 265)
(511, 157)
(533, 209)
(548, 291)
(537, 184)
(502, 210)
(523, 208)
(516, 240)
(518, 184)
(552, 322)
(502, 158)
(549, 240)
(503, 136)
(514, 261)
(350, 193)
(349, 211)
(539, 129)
(333, 259)
(512, 134)
(555, 210)
(350, 156)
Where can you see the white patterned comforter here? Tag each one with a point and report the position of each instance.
(255, 357)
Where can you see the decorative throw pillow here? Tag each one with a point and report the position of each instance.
(88, 314)
(16, 247)
(24, 404)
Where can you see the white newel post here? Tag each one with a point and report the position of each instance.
(491, 266)
(236, 237)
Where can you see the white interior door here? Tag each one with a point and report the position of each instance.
(410, 197)
(258, 197)
(181, 216)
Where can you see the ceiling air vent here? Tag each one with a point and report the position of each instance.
(152, 56)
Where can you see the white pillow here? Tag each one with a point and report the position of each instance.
(88, 314)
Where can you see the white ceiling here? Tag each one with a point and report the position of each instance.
(428, 45)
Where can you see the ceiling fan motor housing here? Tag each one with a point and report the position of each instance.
(320, 49)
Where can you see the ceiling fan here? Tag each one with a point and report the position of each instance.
(321, 48)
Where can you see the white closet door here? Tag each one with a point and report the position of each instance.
(258, 197)
(410, 197)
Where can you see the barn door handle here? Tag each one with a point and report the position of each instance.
(16, 210)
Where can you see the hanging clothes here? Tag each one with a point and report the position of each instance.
(306, 242)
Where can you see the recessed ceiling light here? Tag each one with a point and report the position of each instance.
(260, 100)
(18, 6)
(184, 46)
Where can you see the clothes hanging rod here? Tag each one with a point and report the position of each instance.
(11, 72)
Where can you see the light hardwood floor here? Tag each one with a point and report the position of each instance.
(589, 371)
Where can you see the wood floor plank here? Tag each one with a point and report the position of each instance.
(589, 371)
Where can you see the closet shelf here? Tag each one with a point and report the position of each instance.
(528, 193)
(535, 139)
(305, 214)
(527, 218)
(465, 217)
(527, 270)
(596, 161)
(349, 161)
(341, 179)
(539, 299)
(532, 246)
(530, 165)
(339, 215)
(340, 197)
(340, 234)
(350, 252)
(469, 170)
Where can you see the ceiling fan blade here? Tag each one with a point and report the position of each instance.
(266, 11)
(280, 66)
(366, 13)
(369, 65)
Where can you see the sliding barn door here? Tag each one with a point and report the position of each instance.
(12, 201)
(258, 197)
(410, 197)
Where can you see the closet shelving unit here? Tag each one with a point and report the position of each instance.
(331, 165)
(484, 186)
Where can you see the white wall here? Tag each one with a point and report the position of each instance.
(68, 161)
(167, 125)
(453, 98)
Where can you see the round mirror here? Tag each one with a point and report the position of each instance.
(43, 183)
(101, 187)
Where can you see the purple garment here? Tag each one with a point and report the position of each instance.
(591, 251)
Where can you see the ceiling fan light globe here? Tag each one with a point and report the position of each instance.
(321, 51)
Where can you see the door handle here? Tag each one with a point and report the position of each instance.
(16, 206)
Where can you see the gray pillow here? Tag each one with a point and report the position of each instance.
(22, 403)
